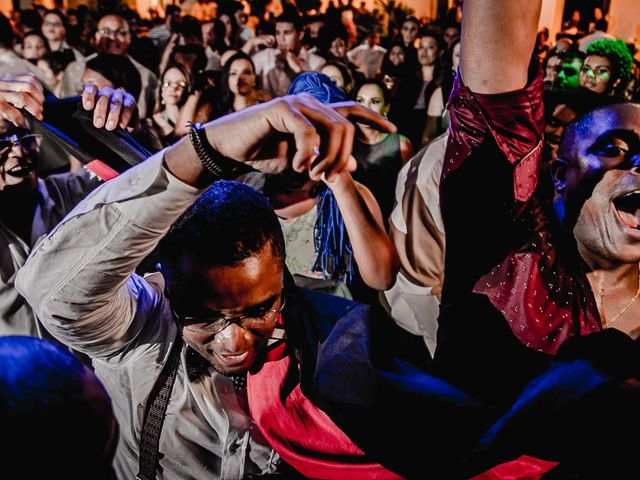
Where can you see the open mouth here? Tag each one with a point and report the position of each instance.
(21, 170)
(628, 208)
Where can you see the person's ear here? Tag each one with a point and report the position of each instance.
(559, 168)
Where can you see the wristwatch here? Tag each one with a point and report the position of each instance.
(218, 165)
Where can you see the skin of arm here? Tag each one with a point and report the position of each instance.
(373, 251)
(498, 37)
(247, 136)
(187, 114)
(406, 149)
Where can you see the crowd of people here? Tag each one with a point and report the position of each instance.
(241, 242)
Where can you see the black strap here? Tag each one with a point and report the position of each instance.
(155, 412)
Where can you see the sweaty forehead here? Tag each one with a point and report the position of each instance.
(583, 132)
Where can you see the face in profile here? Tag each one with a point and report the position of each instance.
(598, 177)
(554, 127)
(551, 70)
(249, 293)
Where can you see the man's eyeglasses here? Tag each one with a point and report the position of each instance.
(214, 325)
(29, 143)
(107, 32)
(180, 84)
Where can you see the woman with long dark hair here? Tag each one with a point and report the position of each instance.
(409, 107)
(238, 85)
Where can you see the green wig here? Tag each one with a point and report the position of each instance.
(617, 53)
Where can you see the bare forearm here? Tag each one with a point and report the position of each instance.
(372, 249)
(497, 42)
(187, 114)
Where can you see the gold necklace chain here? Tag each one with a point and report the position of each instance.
(601, 296)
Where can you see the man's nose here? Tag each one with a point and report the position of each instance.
(17, 149)
(234, 337)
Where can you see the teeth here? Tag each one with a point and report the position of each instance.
(635, 192)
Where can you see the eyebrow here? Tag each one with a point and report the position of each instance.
(218, 313)
(631, 137)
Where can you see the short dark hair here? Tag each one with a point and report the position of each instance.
(119, 70)
(43, 405)
(58, 60)
(171, 9)
(411, 18)
(290, 15)
(36, 33)
(31, 19)
(229, 223)
(189, 28)
(6, 32)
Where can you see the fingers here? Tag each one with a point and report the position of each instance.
(10, 115)
(128, 109)
(101, 109)
(22, 91)
(111, 108)
(291, 120)
(89, 96)
(359, 113)
(115, 107)
(337, 139)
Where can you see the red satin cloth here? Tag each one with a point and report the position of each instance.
(302, 434)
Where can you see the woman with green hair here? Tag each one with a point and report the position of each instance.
(607, 68)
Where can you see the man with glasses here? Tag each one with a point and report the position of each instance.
(31, 206)
(220, 329)
(113, 36)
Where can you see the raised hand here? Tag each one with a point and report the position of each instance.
(322, 135)
(111, 107)
(18, 92)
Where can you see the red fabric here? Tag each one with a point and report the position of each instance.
(515, 121)
(102, 170)
(302, 434)
(543, 302)
(524, 468)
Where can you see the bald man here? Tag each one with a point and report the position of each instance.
(112, 36)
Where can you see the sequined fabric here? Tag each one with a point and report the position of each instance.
(501, 242)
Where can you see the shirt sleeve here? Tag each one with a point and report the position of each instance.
(417, 232)
(79, 280)
(489, 174)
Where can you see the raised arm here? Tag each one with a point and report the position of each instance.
(80, 279)
(497, 42)
(373, 251)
